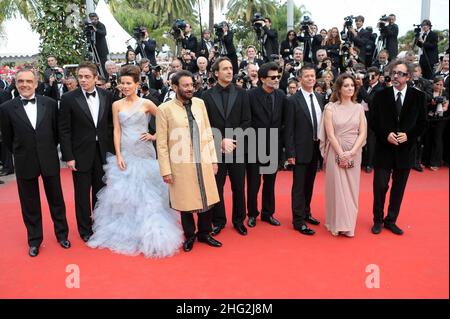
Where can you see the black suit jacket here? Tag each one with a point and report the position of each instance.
(361, 41)
(4, 96)
(238, 113)
(78, 132)
(203, 48)
(299, 128)
(384, 120)
(34, 150)
(190, 43)
(264, 117)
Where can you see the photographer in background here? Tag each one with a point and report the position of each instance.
(56, 86)
(307, 33)
(206, 44)
(270, 39)
(360, 37)
(250, 58)
(427, 41)
(189, 41)
(293, 66)
(382, 60)
(146, 46)
(288, 45)
(224, 37)
(389, 32)
(100, 39)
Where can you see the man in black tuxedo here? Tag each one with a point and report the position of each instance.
(429, 52)
(100, 41)
(147, 48)
(85, 127)
(302, 150)
(397, 118)
(29, 131)
(390, 34)
(268, 104)
(228, 109)
(270, 40)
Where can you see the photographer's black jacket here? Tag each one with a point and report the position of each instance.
(390, 34)
(149, 49)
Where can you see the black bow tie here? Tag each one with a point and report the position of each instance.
(25, 101)
(90, 94)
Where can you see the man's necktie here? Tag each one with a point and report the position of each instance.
(398, 103)
(313, 111)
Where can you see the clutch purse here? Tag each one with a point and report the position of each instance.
(350, 164)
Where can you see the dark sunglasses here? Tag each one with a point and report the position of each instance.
(274, 77)
(399, 73)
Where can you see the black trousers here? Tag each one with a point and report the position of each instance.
(436, 142)
(302, 188)
(30, 203)
(236, 171)
(87, 184)
(369, 148)
(380, 187)
(7, 159)
(203, 223)
(268, 191)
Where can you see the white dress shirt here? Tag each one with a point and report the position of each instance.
(403, 93)
(316, 106)
(31, 110)
(94, 105)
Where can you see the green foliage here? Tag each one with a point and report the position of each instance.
(59, 25)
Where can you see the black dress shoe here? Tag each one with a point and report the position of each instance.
(376, 228)
(312, 220)
(394, 228)
(303, 229)
(65, 244)
(2, 182)
(209, 240)
(33, 251)
(251, 222)
(418, 168)
(241, 229)
(5, 173)
(86, 238)
(369, 169)
(188, 244)
(271, 220)
(216, 230)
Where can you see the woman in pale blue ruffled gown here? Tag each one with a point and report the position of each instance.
(132, 214)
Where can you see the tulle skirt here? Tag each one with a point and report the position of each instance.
(132, 213)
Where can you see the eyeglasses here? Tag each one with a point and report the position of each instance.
(399, 73)
(274, 77)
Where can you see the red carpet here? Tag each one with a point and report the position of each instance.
(271, 262)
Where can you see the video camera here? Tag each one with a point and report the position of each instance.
(218, 30)
(349, 21)
(177, 27)
(383, 22)
(305, 24)
(256, 22)
(417, 30)
(113, 81)
(139, 33)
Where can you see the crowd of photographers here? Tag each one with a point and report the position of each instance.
(355, 49)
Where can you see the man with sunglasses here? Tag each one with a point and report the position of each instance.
(397, 118)
(268, 104)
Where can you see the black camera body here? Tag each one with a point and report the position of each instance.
(256, 22)
(305, 24)
(113, 81)
(417, 30)
(218, 30)
(139, 33)
(383, 22)
(57, 74)
(439, 99)
(177, 27)
(387, 79)
(349, 21)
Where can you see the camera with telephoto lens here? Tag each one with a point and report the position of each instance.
(57, 75)
(383, 22)
(177, 27)
(139, 33)
(439, 113)
(242, 76)
(439, 99)
(387, 79)
(155, 68)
